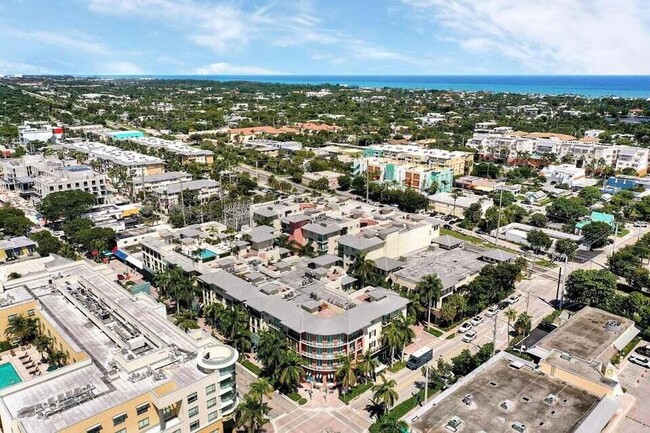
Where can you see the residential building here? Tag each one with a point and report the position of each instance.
(76, 177)
(153, 181)
(600, 217)
(518, 233)
(170, 195)
(321, 322)
(129, 368)
(19, 173)
(16, 248)
(187, 154)
(565, 174)
(412, 175)
(459, 162)
(136, 164)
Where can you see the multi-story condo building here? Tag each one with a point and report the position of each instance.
(76, 177)
(128, 368)
(136, 164)
(38, 175)
(188, 154)
(321, 323)
(411, 175)
(170, 195)
(151, 182)
(459, 162)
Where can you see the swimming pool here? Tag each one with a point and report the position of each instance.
(207, 255)
(8, 375)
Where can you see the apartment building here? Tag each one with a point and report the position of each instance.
(129, 369)
(136, 164)
(415, 176)
(517, 146)
(188, 154)
(321, 323)
(19, 173)
(459, 162)
(153, 181)
(76, 177)
(170, 194)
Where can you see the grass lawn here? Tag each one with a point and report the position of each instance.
(252, 367)
(397, 366)
(475, 240)
(404, 407)
(623, 232)
(434, 331)
(355, 392)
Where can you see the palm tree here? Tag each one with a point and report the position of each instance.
(270, 350)
(392, 339)
(212, 313)
(22, 328)
(366, 366)
(385, 394)
(251, 414)
(261, 388)
(430, 290)
(455, 194)
(405, 331)
(291, 371)
(346, 374)
(388, 424)
(186, 320)
(362, 269)
(67, 251)
(58, 358)
(414, 310)
(511, 315)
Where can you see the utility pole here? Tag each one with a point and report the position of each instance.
(566, 259)
(496, 233)
(183, 204)
(367, 181)
(426, 384)
(615, 236)
(494, 334)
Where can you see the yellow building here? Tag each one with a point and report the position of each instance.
(129, 368)
(16, 248)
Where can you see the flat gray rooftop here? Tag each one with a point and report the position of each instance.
(585, 335)
(526, 390)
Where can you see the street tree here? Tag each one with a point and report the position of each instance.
(595, 288)
(538, 240)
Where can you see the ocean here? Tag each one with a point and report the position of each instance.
(591, 86)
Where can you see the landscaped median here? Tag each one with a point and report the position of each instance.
(397, 366)
(404, 407)
(355, 392)
(434, 331)
(251, 367)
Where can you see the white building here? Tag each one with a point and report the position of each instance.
(136, 164)
(41, 131)
(170, 195)
(76, 177)
(563, 174)
(148, 183)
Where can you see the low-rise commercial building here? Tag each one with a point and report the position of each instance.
(16, 248)
(565, 174)
(445, 203)
(76, 177)
(38, 131)
(170, 195)
(331, 176)
(151, 182)
(187, 154)
(128, 367)
(136, 164)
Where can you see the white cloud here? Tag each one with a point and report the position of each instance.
(13, 68)
(218, 27)
(551, 36)
(121, 68)
(222, 68)
(69, 41)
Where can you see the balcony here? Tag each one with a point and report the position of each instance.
(335, 343)
(333, 355)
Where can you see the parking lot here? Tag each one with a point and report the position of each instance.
(636, 380)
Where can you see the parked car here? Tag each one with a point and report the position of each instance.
(634, 358)
(477, 320)
(464, 327)
(643, 350)
(514, 298)
(469, 336)
(492, 311)
(640, 224)
(503, 305)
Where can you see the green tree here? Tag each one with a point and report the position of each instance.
(261, 388)
(22, 328)
(473, 214)
(346, 374)
(58, 358)
(564, 210)
(291, 371)
(566, 247)
(251, 414)
(596, 234)
(321, 184)
(366, 366)
(589, 195)
(362, 269)
(66, 204)
(384, 393)
(595, 288)
(271, 348)
(511, 316)
(505, 198)
(538, 220)
(430, 290)
(345, 182)
(538, 240)
(523, 324)
(46, 243)
(388, 424)
(13, 221)
(186, 320)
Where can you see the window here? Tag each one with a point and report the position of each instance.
(210, 389)
(94, 429)
(143, 408)
(119, 419)
(143, 423)
(31, 312)
(212, 416)
(191, 398)
(121, 431)
(194, 411)
(166, 412)
(212, 402)
(194, 426)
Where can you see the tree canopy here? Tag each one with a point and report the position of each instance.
(591, 287)
(66, 204)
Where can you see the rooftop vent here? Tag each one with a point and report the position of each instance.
(550, 399)
(506, 405)
(613, 326)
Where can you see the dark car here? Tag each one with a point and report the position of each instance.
(503, 305)
(643, 350)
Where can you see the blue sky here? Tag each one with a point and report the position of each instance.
(322, 37)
